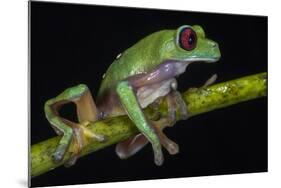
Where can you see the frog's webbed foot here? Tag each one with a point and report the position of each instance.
(75, 136)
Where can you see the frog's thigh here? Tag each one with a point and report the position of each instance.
(131, 146)
(86, 107)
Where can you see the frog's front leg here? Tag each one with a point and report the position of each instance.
(75, 133)
(131, 105)
(175, 103)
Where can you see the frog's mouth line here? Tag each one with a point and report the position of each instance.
(181, 65)
(197, 67)
(206, 60)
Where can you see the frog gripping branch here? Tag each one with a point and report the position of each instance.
(136, 79)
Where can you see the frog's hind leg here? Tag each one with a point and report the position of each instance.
(76, 133)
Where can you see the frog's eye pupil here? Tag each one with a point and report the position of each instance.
(191, 39)
(187, 39)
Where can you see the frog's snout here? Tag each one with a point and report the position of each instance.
(215, 51)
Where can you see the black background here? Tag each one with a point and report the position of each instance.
(72, 44)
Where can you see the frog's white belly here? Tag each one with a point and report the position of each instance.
(149, 93)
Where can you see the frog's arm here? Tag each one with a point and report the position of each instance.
(134, 111)
(86, 111)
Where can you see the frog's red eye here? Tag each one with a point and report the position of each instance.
(187, 39)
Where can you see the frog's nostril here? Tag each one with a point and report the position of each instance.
(214, 45)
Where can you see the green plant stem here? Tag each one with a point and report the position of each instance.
(119, 128)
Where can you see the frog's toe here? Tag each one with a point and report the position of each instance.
(57, 156)
(181, 105)
(158, 158)
(172, 115)
(100, 138)
(88, 134)
(176, 103)
(61, 149)
(168, 144)
(172, 148)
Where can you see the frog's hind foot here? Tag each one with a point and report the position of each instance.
(82, 136)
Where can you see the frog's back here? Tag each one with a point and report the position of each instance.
(137, 59)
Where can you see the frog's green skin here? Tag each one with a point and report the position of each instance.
(136, 78)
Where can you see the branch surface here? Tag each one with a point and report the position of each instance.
(120, 128)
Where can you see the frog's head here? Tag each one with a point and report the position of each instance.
(189, 44)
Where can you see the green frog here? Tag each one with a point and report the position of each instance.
(137, 78)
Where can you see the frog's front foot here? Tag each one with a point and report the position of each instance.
(176, 110)
(168, 144)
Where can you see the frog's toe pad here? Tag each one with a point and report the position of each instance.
(158, 158)
(172, 148)
(90, 134)
(100, 138)
(57, 156)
